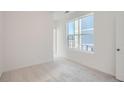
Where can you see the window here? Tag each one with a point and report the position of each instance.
(73, 34)
(80, 33)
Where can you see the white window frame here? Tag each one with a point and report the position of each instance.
(79, 42)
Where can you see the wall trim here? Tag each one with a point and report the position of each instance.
(93, 68)
(27, 65)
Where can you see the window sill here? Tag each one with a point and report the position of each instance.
(81, 51)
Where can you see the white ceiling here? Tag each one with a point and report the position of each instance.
(59, 14)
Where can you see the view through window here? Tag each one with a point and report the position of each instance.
(80, 33)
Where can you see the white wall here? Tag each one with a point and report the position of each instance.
(28, 39)
(60, 36)
(1, 43)
(104, 57)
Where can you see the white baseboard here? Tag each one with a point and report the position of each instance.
(26, 65)
(93, 68)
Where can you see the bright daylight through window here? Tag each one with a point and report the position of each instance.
(80, 33)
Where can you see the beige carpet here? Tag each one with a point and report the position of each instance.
(60, 70)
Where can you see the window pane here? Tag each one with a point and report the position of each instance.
(89, 48)
(71, 27)
(76, 33)
(71, 41)
(70, 37)
(86, 23)
(87, 42)
(86, 33)
(87, 39)
(89, 22)
(80, 33)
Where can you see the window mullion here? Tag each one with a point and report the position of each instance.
(74, 35)
(78, 33)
